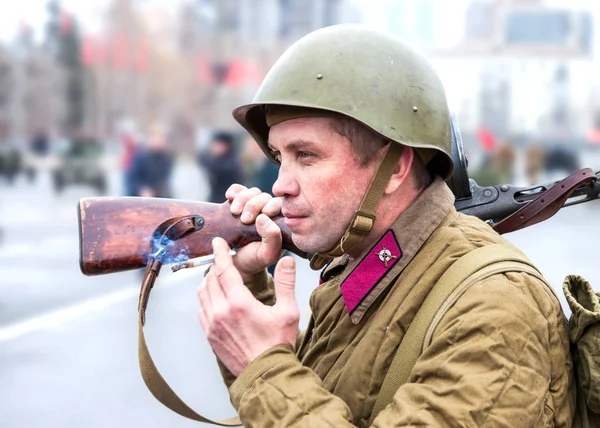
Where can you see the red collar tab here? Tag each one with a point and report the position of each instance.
(380, 259)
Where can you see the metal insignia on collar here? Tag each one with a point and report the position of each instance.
(385, 256)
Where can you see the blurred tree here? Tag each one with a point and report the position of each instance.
(64, 40)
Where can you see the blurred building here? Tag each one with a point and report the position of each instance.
(414, 21)
(31, 85)
(241, 39)
(523, 68)
(184, 65)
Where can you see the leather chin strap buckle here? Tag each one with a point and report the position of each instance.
(361, 223)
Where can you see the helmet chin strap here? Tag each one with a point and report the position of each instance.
(364, 218)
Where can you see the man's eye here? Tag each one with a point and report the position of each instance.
(276, 156)
(305, 155)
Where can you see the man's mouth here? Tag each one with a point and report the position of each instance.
(291, 214)
(292, 219)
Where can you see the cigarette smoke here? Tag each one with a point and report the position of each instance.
(170, 256)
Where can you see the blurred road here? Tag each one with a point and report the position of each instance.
(68, 343)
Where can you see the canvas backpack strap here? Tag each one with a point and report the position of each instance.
(466, 271)
(155, 382)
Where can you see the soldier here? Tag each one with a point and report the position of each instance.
(359, 124)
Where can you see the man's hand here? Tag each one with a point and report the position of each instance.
(238, 327)
(253, 205)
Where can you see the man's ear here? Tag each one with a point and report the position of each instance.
(401, 171)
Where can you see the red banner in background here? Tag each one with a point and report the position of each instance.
(141, 56)
(88, 51)
(65, 22)
(487, 139)
(593, 136)
(93, 51)
(242, 72)
(235, 73)
(100, 51)
(123, 54)
(120, 52)
(204, 72)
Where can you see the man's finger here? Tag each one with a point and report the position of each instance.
(271, 238)
(254, 206)
(239, 201)
(285, 281)
(233, 190)
(273, 207)
(226, 274)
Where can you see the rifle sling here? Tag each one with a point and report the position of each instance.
(546, 204)
(157, 385)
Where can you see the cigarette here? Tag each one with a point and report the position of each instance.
(198, 261)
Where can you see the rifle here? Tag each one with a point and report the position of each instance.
(119, 233)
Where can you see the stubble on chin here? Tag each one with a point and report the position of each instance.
(315, 243)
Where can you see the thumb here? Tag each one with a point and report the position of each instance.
(285, 281)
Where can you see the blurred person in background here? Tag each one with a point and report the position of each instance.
(11, 161)
(260, 171)
(561, 159)
(503, 162)
(534, 163)
(40, 144)
(498, 166)
(364, 146)
(265, 176)
(223, 165)
(39, 147)
(130, 146)
(252, 159)
(152, 166)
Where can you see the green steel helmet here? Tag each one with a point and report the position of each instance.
(368, 75)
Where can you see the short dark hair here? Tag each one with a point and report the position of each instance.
(366, 143)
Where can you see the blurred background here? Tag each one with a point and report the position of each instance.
(126, 97)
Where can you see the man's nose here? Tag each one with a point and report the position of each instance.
(286, 184)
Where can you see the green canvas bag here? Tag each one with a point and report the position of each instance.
(584, 333)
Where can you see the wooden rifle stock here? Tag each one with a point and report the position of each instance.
(116, 233)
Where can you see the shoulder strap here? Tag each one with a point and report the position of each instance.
(157, 385)
(467, 270)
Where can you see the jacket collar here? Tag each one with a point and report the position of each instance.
(365, 278)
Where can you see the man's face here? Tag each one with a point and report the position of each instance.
(157, 141)
(320, 181)
(219, 148)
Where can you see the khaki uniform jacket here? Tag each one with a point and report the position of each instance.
(499, 358)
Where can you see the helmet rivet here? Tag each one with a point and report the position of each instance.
(319, 76)
(415, 109)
